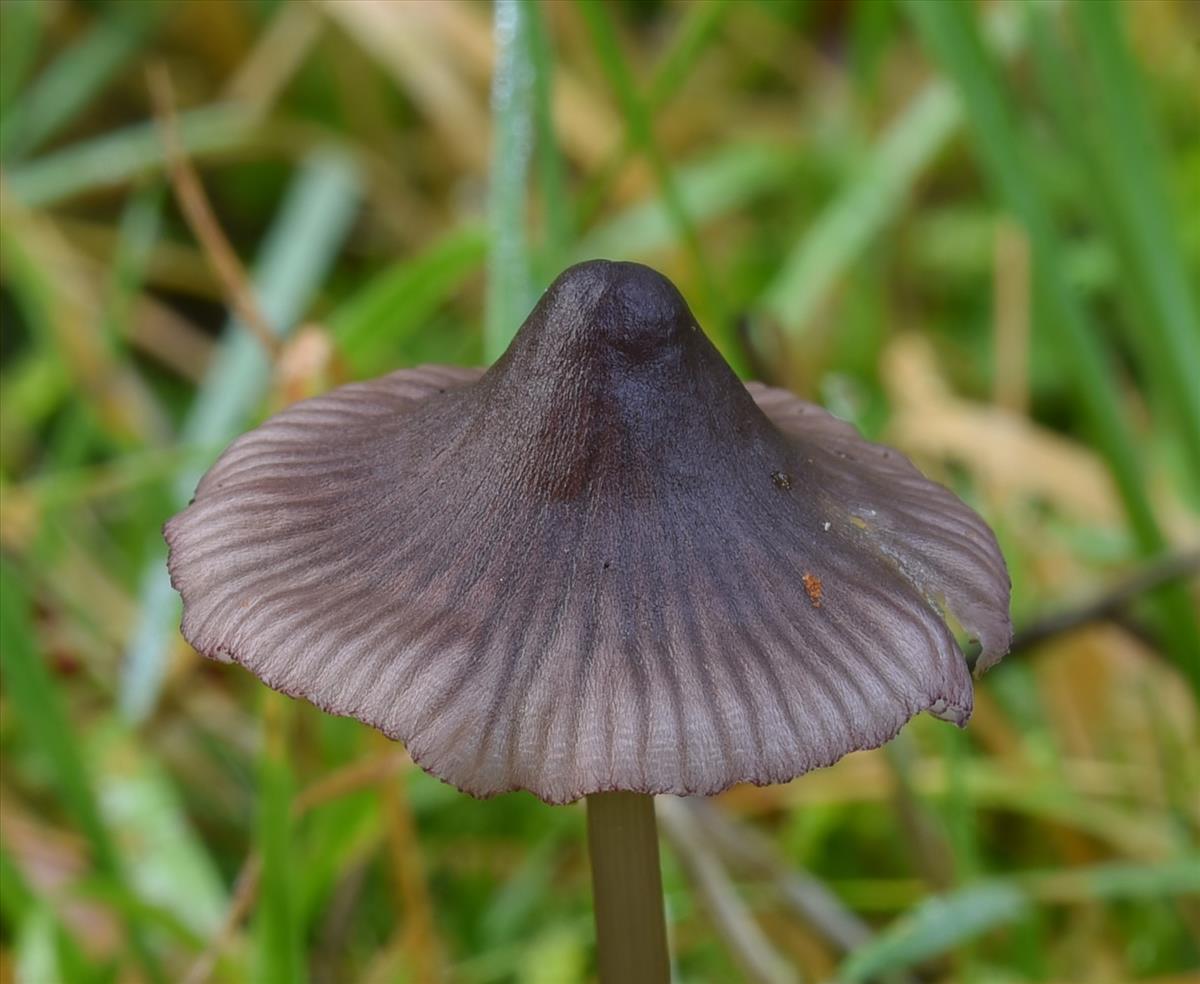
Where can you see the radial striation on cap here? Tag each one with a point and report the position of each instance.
(605, 563)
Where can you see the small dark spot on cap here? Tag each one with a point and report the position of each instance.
(782, 480)
(607, 565)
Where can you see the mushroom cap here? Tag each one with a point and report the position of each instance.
(605, 563)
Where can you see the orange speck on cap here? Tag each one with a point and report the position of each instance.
(814, 587)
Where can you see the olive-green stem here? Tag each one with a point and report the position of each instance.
(631, 932)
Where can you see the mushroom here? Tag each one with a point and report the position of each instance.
(603, 568)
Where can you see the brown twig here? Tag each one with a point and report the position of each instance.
(1155, 574)
(200, 218)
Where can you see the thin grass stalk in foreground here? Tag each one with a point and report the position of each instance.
(512, 143)
(416, 940)
(949, 32)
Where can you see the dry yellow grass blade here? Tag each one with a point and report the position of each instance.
(72, 307)
(169, 264)
(1109, 696)
(1013, 459)
(275, 58)
(587, 126)
(402, 41)
(441, 53)
(1011, 317)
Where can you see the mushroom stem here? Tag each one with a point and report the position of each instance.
(631, 932)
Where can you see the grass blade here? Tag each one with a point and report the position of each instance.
(508, 285)
(22, 23)
(167, 863)
(1149, 241)
(122, 155)
(302, 243)
(710, 187)
(374, 323)
(950, 34)
(701, 23)
(75, 78)
(641, 134)
(935, 927)
(32, 692)
(280, 942)
(551, 169)
(872, 197)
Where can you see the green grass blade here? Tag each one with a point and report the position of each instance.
(872, 197)
(949, 32)
(74, 79)
(22, 23)
(508, 283)
(1059, 82)
(947, 921)
(551, 169)
(372, 325)
(935, 927)
(38, 934)
(170, 868)
(15, 897)
(302, 243)
(123, 155)
(34, 697)
(728, 180)
(641, 133)
(32, 693)
(278, 929)
(137, 233)
(1150, 241)
(1118, 880)
(700, 27)
(36, 956)
(31, 389)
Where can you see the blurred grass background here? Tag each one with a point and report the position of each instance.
(973, 229)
